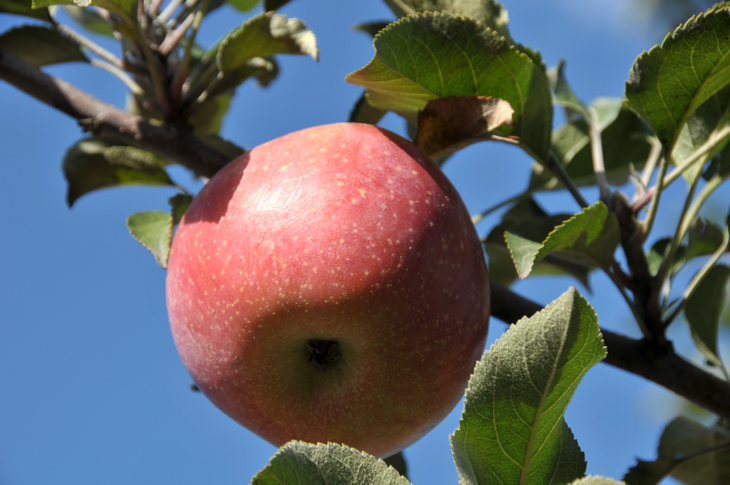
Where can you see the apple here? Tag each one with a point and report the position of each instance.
(329, 286)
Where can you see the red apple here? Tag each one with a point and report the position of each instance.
(329, 286)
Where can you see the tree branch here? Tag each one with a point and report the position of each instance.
(659, 364)
(174, 143)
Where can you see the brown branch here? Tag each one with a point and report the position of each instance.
(659, 364)
(176, 144)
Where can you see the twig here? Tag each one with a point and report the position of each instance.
(656, 363)
(176, 144)
(599, 167)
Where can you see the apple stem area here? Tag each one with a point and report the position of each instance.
(323, 353)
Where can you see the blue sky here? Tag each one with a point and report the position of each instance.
(91, 388)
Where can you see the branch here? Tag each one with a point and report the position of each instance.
(174, 143)
(659, 364)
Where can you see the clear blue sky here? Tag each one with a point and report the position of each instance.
(91, 388)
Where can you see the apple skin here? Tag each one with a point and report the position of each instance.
(329, 286)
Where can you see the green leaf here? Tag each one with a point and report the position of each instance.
(588, 238)
(243, 5)
(512, 429)
(704, 309)
(372, 28)
(564, 95)
(657, 252)
(488, 12)
(24, 8)
(41, 46)
(669, 83)
(208, 116)
(270, 5)
(625, 141)
(263, 69)
(683, 438)
(649, 472)
(430, 55)
(331, 464)
(114, 6)
(704, 237)
(89, 19)
(153, 230)
(529, 220)
(362, 112)
(265, 35)
(596, 480)
(398, 461)
(95, 163)
(179, 203)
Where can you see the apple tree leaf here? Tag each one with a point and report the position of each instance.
(670, 82)
(153, 229)
(625, 141)
(24, 8)
(512, 429)
(704, 309)
(446, 125)
(331, 464)
(179, 203)
(488, 12)
(649, 472)
(243, 5)
(688, 451)
(563, 93)
(435, 55)
(596, 480)
(89, 19)
(529, 220)
(41, 46)
(270, 5)
(95, 163)
(265, 35)
(590, 238)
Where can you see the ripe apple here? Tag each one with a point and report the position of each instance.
(329, 286)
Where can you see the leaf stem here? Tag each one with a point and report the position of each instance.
(557, 169)
(699, 154)
(656, 196)
(697, 279)
(599, 167)
(89, 44)
(685, 220)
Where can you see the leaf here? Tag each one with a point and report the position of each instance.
(331, 464)
(596, 480)
(431, 55)
(179, 203)
(563, 94)
(512, 429)
(704, 237)
(24, 8)
(270, 5)
(95, 163)
(684, 437)
(704, 309)
(657, 252)
(89, 19)
(372, 28)
(589, 238)
(529, 220)
(625, 141)
(265, 35)
(449, 124)
(41, 46)
(263, 69)
(208, 115)
(488, 12)
(153, 230)
(362, 112)
(669, 83)
(649, 472)
(243, 5)
(398, 461)
(114, 6)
